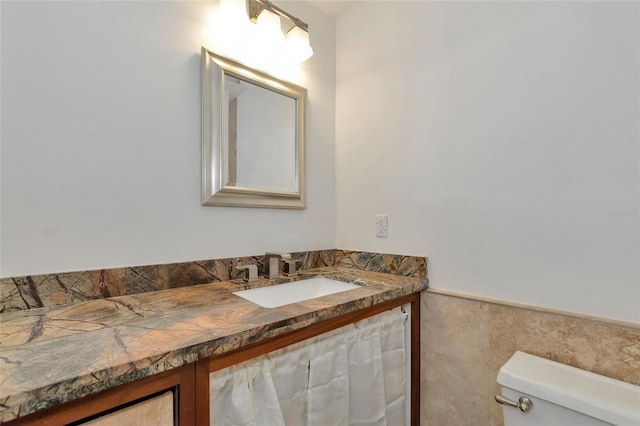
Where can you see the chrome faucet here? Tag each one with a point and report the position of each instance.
(251, 272)
(272, 263)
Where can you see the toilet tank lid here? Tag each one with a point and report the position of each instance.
(601, 397)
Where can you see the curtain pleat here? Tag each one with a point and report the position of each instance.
(355, 375)
(329, 387)
(290, 373)
(393, 350)
(366, 381)
(245, 395)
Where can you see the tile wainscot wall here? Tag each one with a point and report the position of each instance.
(465, 340)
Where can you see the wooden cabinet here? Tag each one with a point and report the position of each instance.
(205, 367)
(177, 384)
(186, 388)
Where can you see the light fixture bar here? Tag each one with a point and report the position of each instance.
(254, 7)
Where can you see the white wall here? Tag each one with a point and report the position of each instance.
(497, 136)
(100, 140)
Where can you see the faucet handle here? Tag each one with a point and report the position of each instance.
(251, 273)
(284, 256)
(272, 263)
(290, 267)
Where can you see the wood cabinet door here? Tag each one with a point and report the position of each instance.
(178, 382)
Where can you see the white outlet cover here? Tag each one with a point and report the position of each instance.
(382, 226)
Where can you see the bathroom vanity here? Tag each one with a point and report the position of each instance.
(69, 363)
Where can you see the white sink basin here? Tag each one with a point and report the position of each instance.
(293, 292)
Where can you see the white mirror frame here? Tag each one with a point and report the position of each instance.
(215, 192)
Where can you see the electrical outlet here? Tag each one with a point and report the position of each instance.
(382, 226)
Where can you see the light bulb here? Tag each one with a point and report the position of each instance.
(268, 29)
(297, 45)
(230, 28)
(267, 39)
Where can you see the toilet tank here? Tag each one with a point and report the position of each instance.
(564, 395)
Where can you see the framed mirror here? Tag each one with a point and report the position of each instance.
(253, 137)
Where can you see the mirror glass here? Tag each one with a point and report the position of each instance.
(252, 137)
(261, 137)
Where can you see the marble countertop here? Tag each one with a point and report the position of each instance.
(49, 356)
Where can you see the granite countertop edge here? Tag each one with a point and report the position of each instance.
(140, 341)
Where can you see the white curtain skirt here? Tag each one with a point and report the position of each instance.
(354, 375)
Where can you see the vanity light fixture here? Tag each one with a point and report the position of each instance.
(266, 16)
